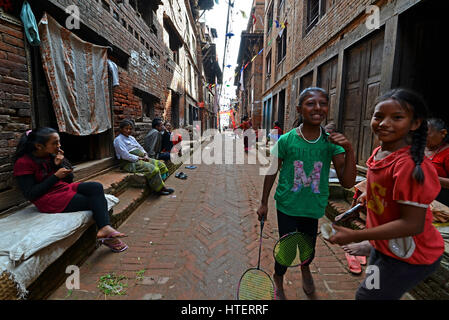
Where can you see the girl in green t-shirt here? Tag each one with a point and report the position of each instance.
(304, 156)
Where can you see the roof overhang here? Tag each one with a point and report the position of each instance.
(247, 41)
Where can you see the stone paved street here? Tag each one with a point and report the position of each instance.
(197, 243)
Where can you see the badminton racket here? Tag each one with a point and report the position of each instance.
(327, 229)
(294, 249)
(256, 284)
(347, 215)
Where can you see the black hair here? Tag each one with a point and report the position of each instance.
(126, 122)
(276, 123)
(245, 118)
(302, 96)
(156, 122)
(413, 102)
(28, 140)
(439, 124)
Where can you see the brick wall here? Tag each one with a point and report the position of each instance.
(338, 15)
(341, 17)
(150, 67)
(15, 105)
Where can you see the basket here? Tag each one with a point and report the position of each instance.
(8, 289)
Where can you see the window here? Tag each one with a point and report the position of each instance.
(270, 18)
(315, 10)
(116, 16)
(189, 76)
(149, 103)
(146, 11)
(106, 5)
(282, 45)
(133, 4)
(268, 64)
(174, 39)
(176, 57)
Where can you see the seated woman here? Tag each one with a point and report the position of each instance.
(134, 159)
(437, 150)
(45, 178)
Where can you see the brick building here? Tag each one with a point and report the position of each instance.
(251, 42)
(157, 47)
(335, 45)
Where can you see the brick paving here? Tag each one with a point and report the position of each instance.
(197, 243)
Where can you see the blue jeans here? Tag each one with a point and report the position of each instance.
(396, 277)
(164, 156)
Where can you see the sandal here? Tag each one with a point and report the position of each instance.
(116, 245)
(353, 263)
(362, 260)
(113, 235)
(166, 192)
(181, 175)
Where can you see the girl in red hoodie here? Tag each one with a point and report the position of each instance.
(401, 183)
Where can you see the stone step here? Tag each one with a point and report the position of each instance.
(130, 199)
(114, 181)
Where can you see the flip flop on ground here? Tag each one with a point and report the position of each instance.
(362, 260)
(353, 264)
(181, 175)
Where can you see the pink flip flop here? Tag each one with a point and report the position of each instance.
(362, 260)
(353, 264)
(116, 247)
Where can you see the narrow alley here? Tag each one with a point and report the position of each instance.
(196, 243)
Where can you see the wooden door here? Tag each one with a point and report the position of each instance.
(327, 79)
(361, 88)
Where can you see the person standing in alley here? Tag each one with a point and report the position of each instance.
(303, 157)
(277, 132)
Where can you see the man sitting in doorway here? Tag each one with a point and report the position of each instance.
(153, 141)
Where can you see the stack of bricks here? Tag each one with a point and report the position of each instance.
(15, 101)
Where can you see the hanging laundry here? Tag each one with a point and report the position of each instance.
(30, 25)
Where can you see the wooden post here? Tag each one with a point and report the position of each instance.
(338, 110)
(390, 66)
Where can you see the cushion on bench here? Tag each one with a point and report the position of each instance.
(30, 240)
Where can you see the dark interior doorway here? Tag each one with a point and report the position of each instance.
(422, 55)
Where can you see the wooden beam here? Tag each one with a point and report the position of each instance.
(390, 55)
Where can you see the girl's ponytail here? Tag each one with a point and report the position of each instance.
(28, 140)
(419, 138)
(24, 145)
